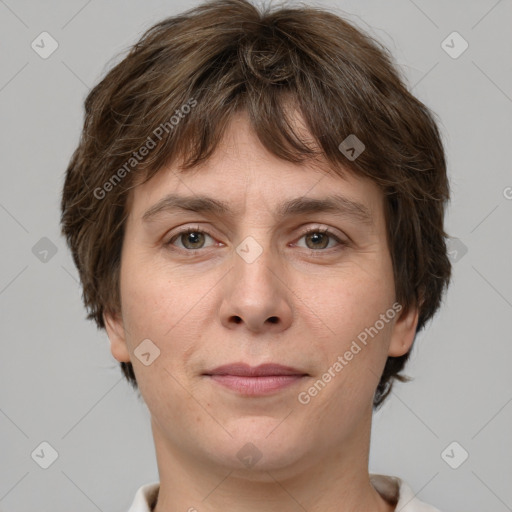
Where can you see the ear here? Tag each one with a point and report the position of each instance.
(404, 331)
(117, 336)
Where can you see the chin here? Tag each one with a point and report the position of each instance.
(260, 446)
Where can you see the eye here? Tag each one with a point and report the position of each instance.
(193, 239)
(190, 238)
(317, 239)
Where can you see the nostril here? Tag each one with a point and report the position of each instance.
(273, 319)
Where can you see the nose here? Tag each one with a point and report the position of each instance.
(255, 294)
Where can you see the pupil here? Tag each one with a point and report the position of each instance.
(318, 237)
(192, 238)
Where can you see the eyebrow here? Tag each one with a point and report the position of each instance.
(336, 204)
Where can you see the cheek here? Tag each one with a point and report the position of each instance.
(153, 298)
(353, 304)
(167, 307)
(353, 330)
(145, 306)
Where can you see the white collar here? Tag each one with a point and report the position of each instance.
(391, 488)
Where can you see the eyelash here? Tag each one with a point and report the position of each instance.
(323, 231)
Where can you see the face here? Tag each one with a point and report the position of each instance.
(307, 288)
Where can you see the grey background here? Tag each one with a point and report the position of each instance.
(59, 382)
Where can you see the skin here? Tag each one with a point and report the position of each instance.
(213, 307)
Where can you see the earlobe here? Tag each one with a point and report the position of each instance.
(404, 331)
(116, 334)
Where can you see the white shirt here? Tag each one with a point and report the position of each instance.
(391, 488)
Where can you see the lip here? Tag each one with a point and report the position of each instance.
(255, 380)
(263, 370)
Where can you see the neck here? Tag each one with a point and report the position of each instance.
(330, 480)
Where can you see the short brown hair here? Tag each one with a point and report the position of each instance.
(226, 56)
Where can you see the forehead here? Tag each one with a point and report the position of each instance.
(242, 172)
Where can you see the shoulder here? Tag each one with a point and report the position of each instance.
(145, 498)
(400, 494)
(392, 488)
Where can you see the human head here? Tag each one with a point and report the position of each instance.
(177, 90)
